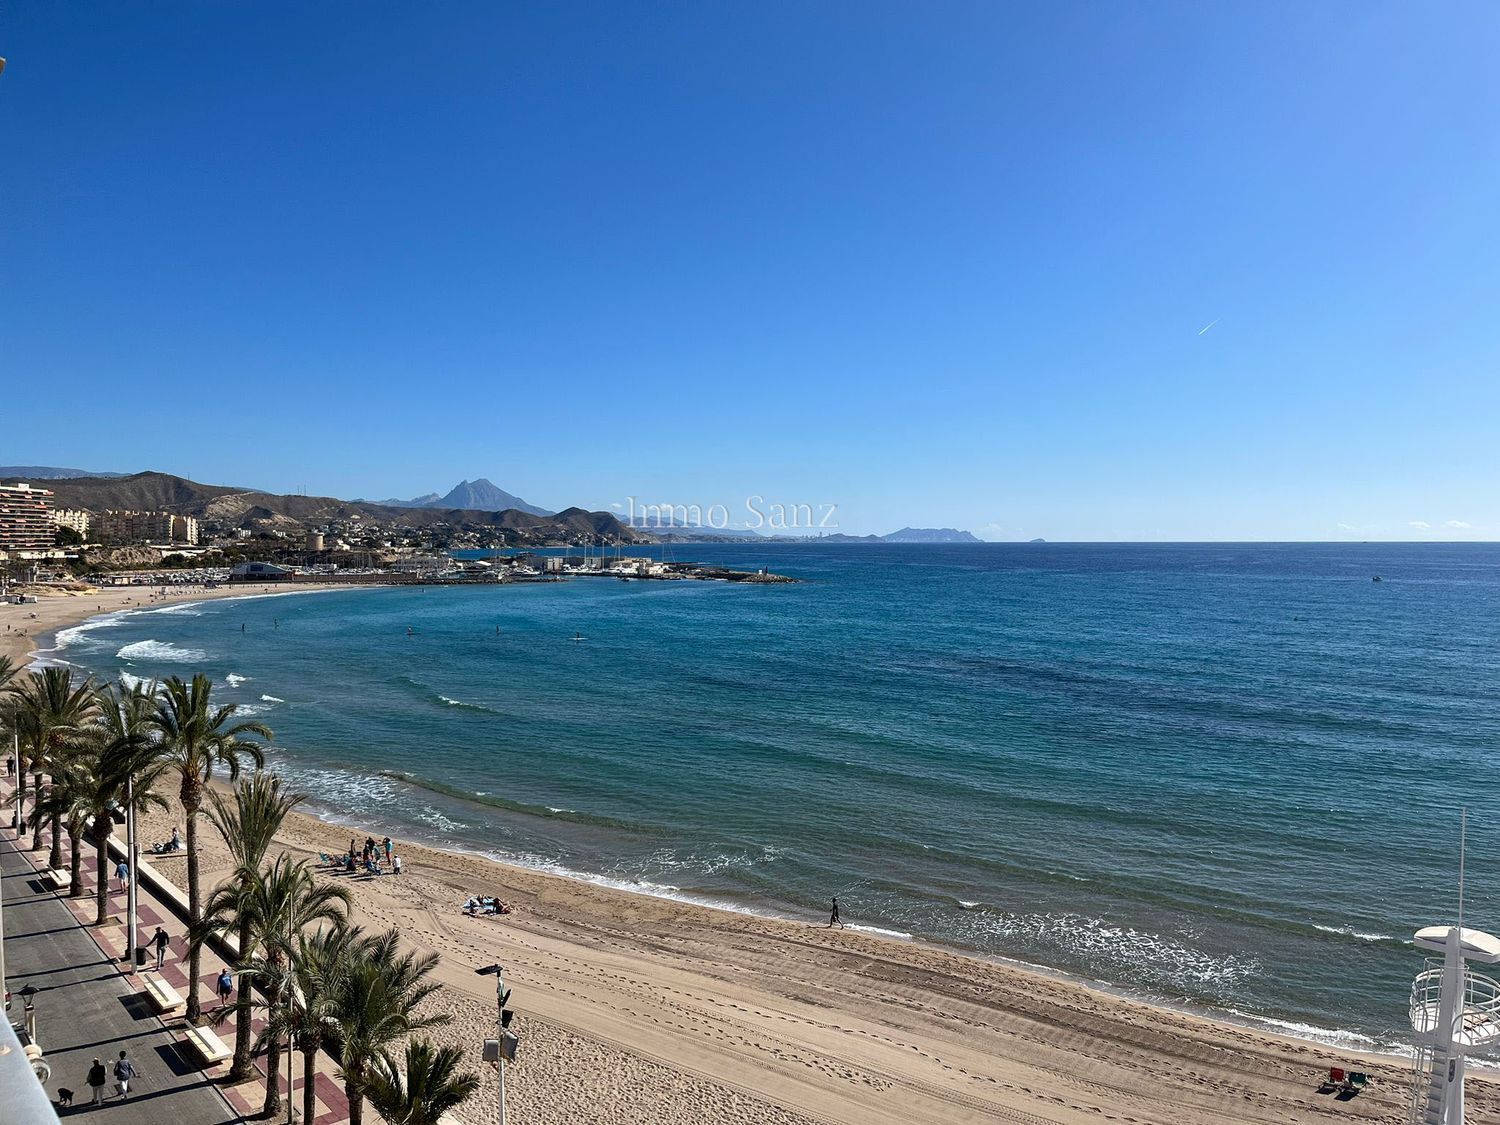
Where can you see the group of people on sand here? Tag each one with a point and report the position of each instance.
(479, 904)
(370, 857)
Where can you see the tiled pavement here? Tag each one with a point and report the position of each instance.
(247, 1097)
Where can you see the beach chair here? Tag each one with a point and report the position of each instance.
(1336, 1076)
(1356, 1081)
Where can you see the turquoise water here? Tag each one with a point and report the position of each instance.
(1225, 775)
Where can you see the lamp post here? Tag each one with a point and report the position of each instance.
(28, 1003)
(503, 1047)
(132, 857)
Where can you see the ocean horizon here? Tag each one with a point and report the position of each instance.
(1221, 775)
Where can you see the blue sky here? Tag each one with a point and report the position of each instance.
(937, 263)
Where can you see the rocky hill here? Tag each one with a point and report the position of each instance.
(480, 495)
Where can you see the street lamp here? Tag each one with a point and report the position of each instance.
(28, 1002)
(502, 1049)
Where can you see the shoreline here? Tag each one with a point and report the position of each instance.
(739, 942)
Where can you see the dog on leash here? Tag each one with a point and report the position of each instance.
(64, 1097)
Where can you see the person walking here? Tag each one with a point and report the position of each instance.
(96, 1081)
(160, 940)
(124, 1072)
(225, 986)
(833, 919)
(122, 873)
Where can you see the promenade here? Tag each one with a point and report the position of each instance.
(87, 1007)
(48, 934)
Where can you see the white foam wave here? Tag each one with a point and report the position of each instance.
(270, 699)
(452, 702)
(131, 682)
(161, 651)
(899, 935)
(966, 904)
(234, 679)
(241, 710)
(1333, 1036)
(1349, 931)
(78, 633)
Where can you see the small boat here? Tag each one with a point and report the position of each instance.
(1377, 578)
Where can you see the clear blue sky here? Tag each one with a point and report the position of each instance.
(939, 263)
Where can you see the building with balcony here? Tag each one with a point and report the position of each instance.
(147, 527)
(75, 519)
(26, 518)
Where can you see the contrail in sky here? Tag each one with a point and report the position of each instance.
(1207, 326)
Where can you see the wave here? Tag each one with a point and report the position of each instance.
(967, 904)
(461, 705)
(242, 710)
(1350, 931)
(271, 699)
(161, 651)
(1332, 1036)
(80, 632)
(899, 935)
(234, 679)
(546, 811)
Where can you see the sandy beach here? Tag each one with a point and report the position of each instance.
(637, 1009)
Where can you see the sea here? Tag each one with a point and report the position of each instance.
(1228, 777)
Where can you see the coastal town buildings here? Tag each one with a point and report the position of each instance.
(147, 527)
(26, 518)
(75, 519)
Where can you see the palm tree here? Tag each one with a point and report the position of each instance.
(374, 1005)
(195, 740)
(67, 798)
(51, 711)
(282, 901)
(308, 984)
(429, 1088)
(124, 753)
(248, 823)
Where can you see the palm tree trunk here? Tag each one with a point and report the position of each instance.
(75, 862)
(195, 905)
(54, 857)
(36, 834)
(309, 1091)
(356, 1101)
(272, 1105)
(101, 892)
(240, 1070)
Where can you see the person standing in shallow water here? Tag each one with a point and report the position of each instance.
(833, 919)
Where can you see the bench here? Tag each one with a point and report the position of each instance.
(207, 1044)
(163, 996)
(58, 878)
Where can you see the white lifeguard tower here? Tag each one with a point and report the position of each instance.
(1454, 1011)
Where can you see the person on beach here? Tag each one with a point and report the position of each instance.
(160, 940)
(833, 919)
(122, 873)
(124, 1072)
(96, 1081)
(225, 986)
(387, 846)
(396, 865)
(176, 844)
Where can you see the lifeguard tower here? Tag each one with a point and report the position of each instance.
(1454, 1011)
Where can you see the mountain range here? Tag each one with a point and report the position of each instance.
(46, 472)
(240, 507)
(480, 495)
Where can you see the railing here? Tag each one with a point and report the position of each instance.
(1478, 1023)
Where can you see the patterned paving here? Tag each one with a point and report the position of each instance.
(246, 1097)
